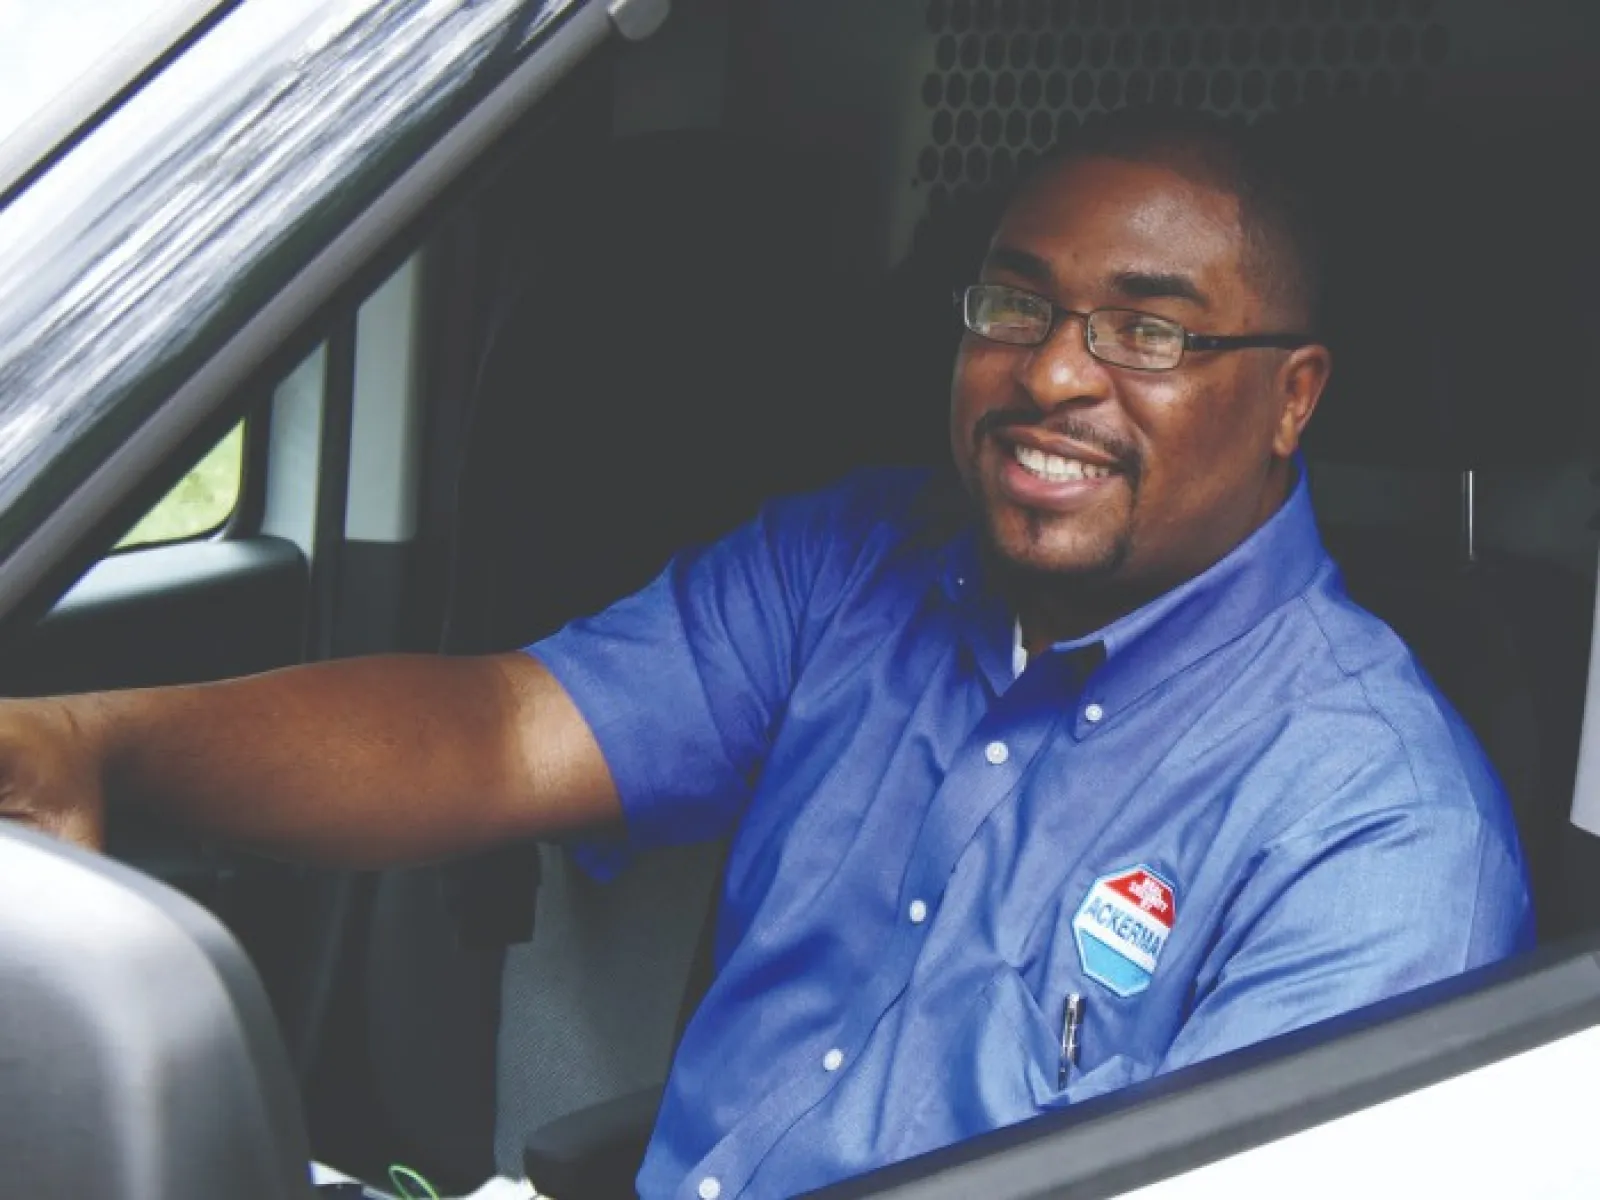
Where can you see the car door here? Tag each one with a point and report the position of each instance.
(215, 280)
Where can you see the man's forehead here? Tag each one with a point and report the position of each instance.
(1130, 282)
(1137, 199)
(1110, 217)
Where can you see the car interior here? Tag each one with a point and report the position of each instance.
(714, 265)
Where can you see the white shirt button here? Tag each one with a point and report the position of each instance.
(918, 912)
(1094, 714)
(833, 1060)
(710, 1188)
(997, 753)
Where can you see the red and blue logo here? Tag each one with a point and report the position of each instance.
(1122, 927)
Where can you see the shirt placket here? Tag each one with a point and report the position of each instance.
(988, 769)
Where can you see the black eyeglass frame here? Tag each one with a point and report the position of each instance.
(1191, 340)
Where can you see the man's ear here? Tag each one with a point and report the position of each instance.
(1299, 384)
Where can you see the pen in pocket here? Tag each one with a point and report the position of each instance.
(1071, 1024)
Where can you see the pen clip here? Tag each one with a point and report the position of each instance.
(1071, 1026)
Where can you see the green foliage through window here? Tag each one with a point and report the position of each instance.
(202, 501)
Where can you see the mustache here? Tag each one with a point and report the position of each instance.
(1069, 425)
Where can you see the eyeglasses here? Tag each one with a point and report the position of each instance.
(1122, 337)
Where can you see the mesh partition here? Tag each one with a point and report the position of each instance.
(1009, 78)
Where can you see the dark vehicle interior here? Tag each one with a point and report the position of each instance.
(714, 266)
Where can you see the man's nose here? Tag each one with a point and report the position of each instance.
(1061, 370)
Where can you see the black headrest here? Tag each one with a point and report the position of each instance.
(1459, 255)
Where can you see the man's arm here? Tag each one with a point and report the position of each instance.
(364, 762)
(665, 702)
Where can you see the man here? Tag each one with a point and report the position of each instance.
(1110, 761)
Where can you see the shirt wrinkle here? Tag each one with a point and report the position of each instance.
(1355, 826)
(1487, 847)
(1337, 793)
(730, 759)
(1360, 679)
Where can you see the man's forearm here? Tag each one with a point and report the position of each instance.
(363, 762)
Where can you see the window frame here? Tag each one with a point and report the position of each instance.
(74, 481)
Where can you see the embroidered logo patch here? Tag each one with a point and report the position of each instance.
(1122, 926)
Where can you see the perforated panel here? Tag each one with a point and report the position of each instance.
(1007, 79)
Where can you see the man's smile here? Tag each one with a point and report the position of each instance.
(1041, 469)
(1056, 468)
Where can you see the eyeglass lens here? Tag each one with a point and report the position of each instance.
(1119, 336)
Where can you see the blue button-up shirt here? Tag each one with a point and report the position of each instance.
(1235, 811)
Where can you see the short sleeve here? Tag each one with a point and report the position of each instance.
(1355, 912)
(683, 682)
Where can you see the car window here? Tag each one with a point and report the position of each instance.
(46, 49)
(200, 503)
(132, 261)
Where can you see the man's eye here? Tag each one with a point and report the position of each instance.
(1148, 333)
(1015, 318)
(1011, 316)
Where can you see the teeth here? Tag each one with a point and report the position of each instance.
(1055, 469)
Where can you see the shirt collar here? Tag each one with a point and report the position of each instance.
(1152, 644)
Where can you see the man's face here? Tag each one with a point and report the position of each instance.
(1177, 467)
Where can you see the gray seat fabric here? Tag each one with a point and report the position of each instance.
(610, 952)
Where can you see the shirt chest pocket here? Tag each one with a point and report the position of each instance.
(1001, 1064)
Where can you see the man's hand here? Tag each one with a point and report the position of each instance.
(51, 775)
